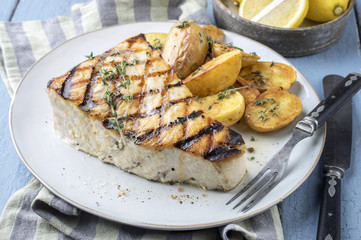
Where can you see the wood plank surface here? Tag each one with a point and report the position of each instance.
(7, 9)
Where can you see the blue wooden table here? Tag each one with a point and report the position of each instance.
(300, 209)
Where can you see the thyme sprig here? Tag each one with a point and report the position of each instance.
(230, 45)
(198, 69)
(90, 56)
(107, 76)
(269, 112)
(183, 24)
(227, 92)
(157, 44)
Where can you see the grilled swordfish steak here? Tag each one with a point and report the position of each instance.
(127, 107)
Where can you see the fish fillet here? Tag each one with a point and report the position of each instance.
(127, 107)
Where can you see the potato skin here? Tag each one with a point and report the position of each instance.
(214, 75)
(216, 34)
(272, 110)
(267, 75)
(228, 111)
(185, 48)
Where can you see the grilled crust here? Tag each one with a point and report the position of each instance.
(161, 112)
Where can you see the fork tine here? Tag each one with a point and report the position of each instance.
(260, 195)
(268, 178)
(249, 185)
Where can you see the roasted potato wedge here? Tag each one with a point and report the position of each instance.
(247, 58)
(227, 110)
(214, 33)
(248, 92)
(157, 40)
(267, 75)
(214, 75)
(272, 110)
(185, 48)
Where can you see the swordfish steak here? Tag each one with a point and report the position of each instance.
(127, 107)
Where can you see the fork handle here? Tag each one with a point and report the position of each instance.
(329, 219)
(338, 96)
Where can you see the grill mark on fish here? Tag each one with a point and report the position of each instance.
(107, 122)
(188, 142)
(88, 103)
(186, 123)
(210, 139)
(66, 86)
(178, 84)
(164, 107)
(155, 132)
(142, 86)
(221, 152)
(234, 138)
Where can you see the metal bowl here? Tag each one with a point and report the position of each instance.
(307, 39)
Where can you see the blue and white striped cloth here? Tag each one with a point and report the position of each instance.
(34, 212)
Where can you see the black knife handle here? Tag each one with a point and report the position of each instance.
(329, 219)
(338, 96)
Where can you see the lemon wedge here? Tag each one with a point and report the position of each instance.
(324, 11)
(277, 13)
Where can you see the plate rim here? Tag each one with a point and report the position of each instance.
(148, 225)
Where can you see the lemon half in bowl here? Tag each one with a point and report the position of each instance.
(277, 13)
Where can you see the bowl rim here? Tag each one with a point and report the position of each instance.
(223, 7)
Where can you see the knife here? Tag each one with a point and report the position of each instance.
(336, 159)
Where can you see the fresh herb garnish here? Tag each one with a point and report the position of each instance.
(196, 98)
(183, 24)
(148, 53)
(261, 102)
(251, 158)
(254, 53)
(126, 83)
(230, 45)
(270, 111)
(114, 54)
(195, 72)
(181, 76)
(90, 56)
(252, 139)
(127, 98)
(227, 92)
(201, 38)
(157, 44)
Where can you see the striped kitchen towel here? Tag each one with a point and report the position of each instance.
(34, 212)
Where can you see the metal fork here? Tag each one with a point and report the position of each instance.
(274, 170)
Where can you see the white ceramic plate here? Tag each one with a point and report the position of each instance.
(106, 191)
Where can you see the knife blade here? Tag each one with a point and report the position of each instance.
(336, 159)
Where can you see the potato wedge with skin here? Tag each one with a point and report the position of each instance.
(247, 58)
(216, 34)
(214, 75)
(272, 110)
(267, 75)
(228, 111)
(157, 40)
(185, 48)
(249, 93)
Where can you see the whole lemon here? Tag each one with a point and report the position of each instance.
(326, 10)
